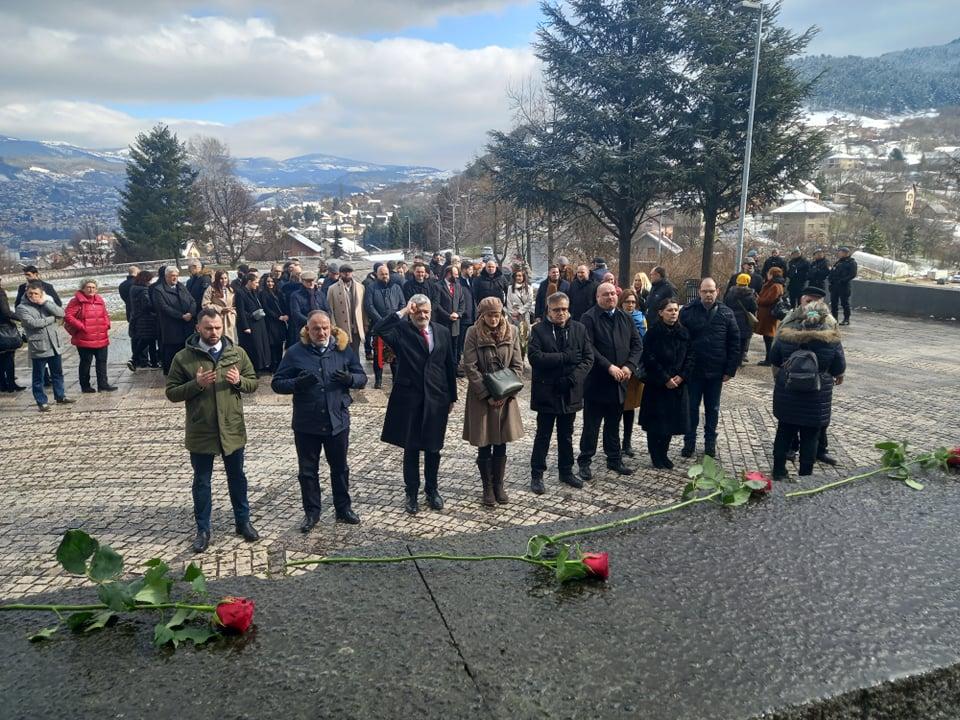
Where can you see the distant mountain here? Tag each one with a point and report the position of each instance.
(895, 82)
(47, 189)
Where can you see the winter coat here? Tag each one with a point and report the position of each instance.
(483, 424)
(87, 321)
(123, 289)
(558, 372)
(597, 274)
(773, 261)
(798, 270)
(807, 409)
(381, 300)
(143, 317)
(215, 413)
(197, 286)
(225, 303)
(47, 289)
(272, 304)
(486, 285)
(39, 324)
(659, 291)
(328, 394)
(423, 388)
(7, 317)
(714, 338)
(667, 352)
(171, 303)
(615, 341)
(255, 343)
(445, 304)
(302, 302)
(412, 287)
(347, 312)
(583, 296)
(842, 273)
(540, 304)
(741, 299)
(520, 304)
(469, 314)
(819, 271)
(766, 301)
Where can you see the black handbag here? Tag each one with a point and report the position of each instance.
(502, 383)
(10, 338)
(780, 310)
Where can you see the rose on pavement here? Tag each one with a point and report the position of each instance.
(235, 613)
(598, 564)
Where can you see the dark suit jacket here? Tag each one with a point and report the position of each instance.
(445, 304)
(615, 341)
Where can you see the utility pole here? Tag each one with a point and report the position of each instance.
(746, 154)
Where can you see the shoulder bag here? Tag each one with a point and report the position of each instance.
(751, 318)
(502, 383)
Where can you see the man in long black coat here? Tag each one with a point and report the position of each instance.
(775, 260)
(198, 282)
(842, 273)
(450, 306)
(420, 284)
(123, 289)
(798, 270)
(176, 313)
(552, 284)
(616, 355)
(561, 356)
(819, 270)
(424, 390)
(582, 292)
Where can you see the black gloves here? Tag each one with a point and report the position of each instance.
(304, 381)
(343, 377)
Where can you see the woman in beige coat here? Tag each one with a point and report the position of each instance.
(491, 343)
(221, 297)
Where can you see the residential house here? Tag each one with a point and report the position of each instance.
(802, 222)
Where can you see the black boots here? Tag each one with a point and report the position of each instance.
(499, 469)
(485, 465)
(536, 483)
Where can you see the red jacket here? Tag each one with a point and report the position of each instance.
(87, 321)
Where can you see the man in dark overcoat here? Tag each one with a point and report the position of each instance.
(424, 390)
(176, 315)
(319, 372)
(617, 348)
(842, 273)
(798, 269)
(561, 356)
(451, 305)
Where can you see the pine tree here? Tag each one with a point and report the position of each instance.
(157, 202)
(910, 244)
(396, 233)
(873, 241)
(337, 249)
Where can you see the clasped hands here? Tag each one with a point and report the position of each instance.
(620, 374)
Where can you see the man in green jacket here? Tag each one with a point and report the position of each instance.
(209, 375)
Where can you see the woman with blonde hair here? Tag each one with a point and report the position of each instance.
(221, 297)
(641, 286)
(491, 344)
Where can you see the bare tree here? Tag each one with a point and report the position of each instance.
(226, 210)
(90, 246)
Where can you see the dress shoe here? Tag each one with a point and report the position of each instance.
(131, 366)
(248, 531)
(65, 401)
(308, 522)
(44, 407)
(792, 456)
(711, 451)
(574, 480)
(17, 388)
(666, 463)
(536, 484)
(618, 467)
(586, 474)
(411, 505)
(106, 388)
(348, 516)
(201, 541)
(628, 451)
(87, 390)
(688, 451)
(763, 363)
(826, 459)
(378, 385)
(435, 501)
(781, 475)
(845, 322)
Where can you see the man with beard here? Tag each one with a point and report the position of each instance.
(424, 390)
(420, 283)
(345, 298)
(553, 284)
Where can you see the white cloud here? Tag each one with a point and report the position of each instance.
(399, 100)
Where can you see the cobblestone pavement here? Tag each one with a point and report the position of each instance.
(114, 464)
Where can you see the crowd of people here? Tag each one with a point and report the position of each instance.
(623, 356)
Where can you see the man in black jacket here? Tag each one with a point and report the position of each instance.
(123, 289)
(198, 281)
(176, 312)
(490, 283)
(560, 357)
(450, 306)
(749, 267)
(424, 391)
(32, 274)
(775, 260)
(582, 292)
(382, 298)
(842, 273)
(798, 270)
(715, 340)
(319, 373)
(616, 355)
(420, 283)
(552, 284)
(660, 290)
(819, 270)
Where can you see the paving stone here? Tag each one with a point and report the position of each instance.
(114, 464)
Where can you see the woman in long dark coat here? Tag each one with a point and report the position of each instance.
(276, 319)
(252, 324)
(668, 361)
(144, 330)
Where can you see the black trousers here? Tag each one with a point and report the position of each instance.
(8, 377)
(309, 448)
(144, 352)
(840, 295)
(767, 344)
(87, 357)
(411, 471)
(593, 415)
(628, 417)
(809, 438)
(823, 445)
(276, 355)
(541, 442)
(166, 355)
(795, 296)
(658, 446)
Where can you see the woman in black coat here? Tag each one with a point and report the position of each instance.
(668, 361)
(144, 331)
(252, 324)
(808, 327)
(272, 303)
(742, 299)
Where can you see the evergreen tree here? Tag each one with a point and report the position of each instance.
(396, 234)
(719, 44)
(873, 241)
(910, 244)
(157, 202)
(337, 249)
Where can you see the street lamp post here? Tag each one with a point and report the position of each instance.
(753, 5)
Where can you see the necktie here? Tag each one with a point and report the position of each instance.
(426, 338)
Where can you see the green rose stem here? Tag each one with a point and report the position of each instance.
(838, 483)
(630, 520)
(430, 556)
(101, 606)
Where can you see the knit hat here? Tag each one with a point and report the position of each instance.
(743, 279)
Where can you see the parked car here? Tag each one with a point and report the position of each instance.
(955, 278)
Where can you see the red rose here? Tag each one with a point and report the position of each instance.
(757, 482)
(235, 613)
(953, 457)
(598, 564)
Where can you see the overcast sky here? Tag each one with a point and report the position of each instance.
(404, 81)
